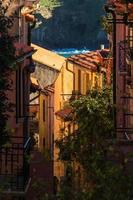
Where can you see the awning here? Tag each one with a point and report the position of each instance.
(66, 114)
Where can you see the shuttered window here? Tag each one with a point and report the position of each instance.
(79, 80)
(87, 82)
(19, 93)
(44, 110)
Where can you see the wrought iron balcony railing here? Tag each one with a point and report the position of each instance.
(14, 166)
(125, 54)
(123, 49)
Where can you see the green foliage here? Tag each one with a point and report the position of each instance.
(106, 25)
(92, 146)
(46, 154)
(94, 113)
(50, 4)
(7, 58)
(40, 187)
(94, 119)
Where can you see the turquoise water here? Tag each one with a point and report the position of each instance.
(70, 51)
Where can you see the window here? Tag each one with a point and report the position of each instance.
(44, 110)
(131, 36)
(22, 92)
(18, 93)
(88, 82)
(69, 129)
(104, 79)
(96, 82)
(79, 80)
(43, 142)
(25, 102)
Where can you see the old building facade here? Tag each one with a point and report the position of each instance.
(121, 42)
(14, 170)
(80, 74)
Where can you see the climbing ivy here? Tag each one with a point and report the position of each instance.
(7, 60)
(92, 147)
(105, 25)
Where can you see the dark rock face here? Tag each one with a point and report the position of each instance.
(75, 24)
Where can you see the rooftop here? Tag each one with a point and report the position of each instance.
(91, 59)
(48, 58)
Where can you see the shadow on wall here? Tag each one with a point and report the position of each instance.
(75, 24)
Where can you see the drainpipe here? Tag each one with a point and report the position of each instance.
(109, 9)
(73, 75)
(30, 27)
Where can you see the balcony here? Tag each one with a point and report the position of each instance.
(71, 97)
(14, 166)
(66, 114)
(125, 55)
(130, 49)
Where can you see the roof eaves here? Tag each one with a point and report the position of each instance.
(46, 65)
(89, 66)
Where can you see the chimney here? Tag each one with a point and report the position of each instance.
(102, 46)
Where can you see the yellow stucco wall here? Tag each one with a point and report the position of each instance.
(46, 124)
(92, 77)
(64, 86)
(57, 106)
(67, 81)
(62, 92)
(48, 67)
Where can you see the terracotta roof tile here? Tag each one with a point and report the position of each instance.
(104, 53)
(89, 60)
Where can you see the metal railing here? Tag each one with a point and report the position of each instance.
(125, 53)
(14, 165)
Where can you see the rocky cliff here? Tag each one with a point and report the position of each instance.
(73, 24)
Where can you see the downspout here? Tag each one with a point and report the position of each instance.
(112, 11)
(30, 27)
(73, 75)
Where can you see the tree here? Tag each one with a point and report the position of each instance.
(92, 146)
(7, 60)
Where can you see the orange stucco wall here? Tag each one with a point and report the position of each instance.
(19, 28)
